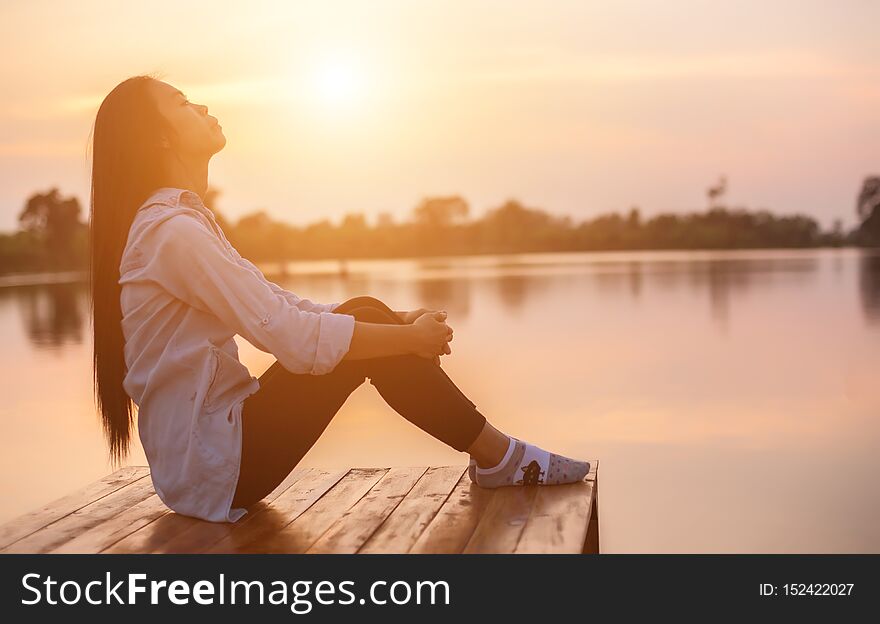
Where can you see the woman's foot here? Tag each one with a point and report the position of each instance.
(527, 464)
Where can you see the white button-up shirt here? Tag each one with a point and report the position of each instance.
(185, 293)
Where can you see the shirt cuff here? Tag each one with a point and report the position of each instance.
(334, 340)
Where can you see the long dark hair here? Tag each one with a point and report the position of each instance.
(127, 166)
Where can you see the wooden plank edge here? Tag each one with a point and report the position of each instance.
(112, 483)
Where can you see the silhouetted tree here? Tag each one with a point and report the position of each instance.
(440, 211)
(258, 237)
(512, 225)
(635, 218)
(384, 220)
(440, 226)
(53, 220)
(868, 210)
(715, 192)
(435, 224)
(352, 235)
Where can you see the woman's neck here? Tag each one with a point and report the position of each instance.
(190, 176)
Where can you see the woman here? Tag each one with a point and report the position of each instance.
(169, 292)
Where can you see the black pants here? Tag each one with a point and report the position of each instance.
(287, 415)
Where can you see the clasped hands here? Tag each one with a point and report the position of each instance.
(435, 333)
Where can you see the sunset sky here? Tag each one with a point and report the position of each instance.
(574, 107)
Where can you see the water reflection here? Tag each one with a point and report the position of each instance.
(452, 295)
(670, 367)
(869, 285)
(53, 315)
(722, 280)
(513, 290)
(635, 279)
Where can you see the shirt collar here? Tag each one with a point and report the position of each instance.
(175, 197)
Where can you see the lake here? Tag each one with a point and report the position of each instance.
(733, 398)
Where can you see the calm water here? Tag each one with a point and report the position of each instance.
(733, 398)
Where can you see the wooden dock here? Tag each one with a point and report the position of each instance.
(359, 510)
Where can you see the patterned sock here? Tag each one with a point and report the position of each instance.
(526, 464)
(472, 464)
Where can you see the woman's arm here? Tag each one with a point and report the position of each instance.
(369, 339)
(427, 336)
(372, 339)
(190, 262)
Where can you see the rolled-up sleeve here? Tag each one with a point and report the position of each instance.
(193, 265)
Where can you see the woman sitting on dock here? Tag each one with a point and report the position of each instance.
(169, 293)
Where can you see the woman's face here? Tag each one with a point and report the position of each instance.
(198, 134)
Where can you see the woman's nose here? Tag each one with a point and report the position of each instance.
(204, 109)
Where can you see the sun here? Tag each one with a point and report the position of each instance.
(339, 82)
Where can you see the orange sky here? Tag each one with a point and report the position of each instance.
(574, 107)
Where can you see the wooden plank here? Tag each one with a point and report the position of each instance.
(150, 537)
(404, 526)
(419, 510)
(31, 522)
(455, 522)
(356, 526)
(110, 531)
(93, 514)
(154, 537)
(265, 523)
(591, 543)
(154, 534)
(503, 521)
(299, 535)
(560, 516)
(200, 537)
(593, 475)
(558, 521)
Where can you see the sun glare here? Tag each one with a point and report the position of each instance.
(339, 83)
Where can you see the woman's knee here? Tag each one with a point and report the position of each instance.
(364, 301)
(370, 314)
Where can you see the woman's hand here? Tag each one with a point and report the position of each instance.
(432, 335)
(410, 316)
(427, 336)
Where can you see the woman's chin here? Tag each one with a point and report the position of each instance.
(220, 143)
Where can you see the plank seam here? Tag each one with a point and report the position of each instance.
(385, 519)
(470, 533)
(436, 513)
(315, 502)
(526, 523)
(339, 476)
(345, 511)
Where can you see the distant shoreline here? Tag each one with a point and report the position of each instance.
(45, 278)
(42, 279)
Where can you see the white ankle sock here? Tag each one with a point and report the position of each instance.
(502, 463)
(527, 464)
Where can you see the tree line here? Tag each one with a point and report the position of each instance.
(52, 235)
